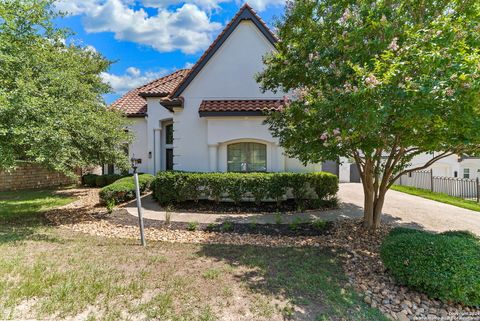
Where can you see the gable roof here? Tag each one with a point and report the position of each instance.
(134, 104)
(245, 13)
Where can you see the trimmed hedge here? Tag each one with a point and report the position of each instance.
(175, 187)
(445, 266)
(94, 180)
(124, 189)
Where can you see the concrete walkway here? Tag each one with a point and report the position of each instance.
(400, 208)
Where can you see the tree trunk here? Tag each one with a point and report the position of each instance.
(373, 205)
(368, 207)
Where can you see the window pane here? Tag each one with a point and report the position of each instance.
(247, 157)
(169, 134)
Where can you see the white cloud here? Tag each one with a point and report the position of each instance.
(187, 28)
(261, 5)
(132, 78)
(204, 4)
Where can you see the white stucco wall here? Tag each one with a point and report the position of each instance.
(137, 147)
(229, 74)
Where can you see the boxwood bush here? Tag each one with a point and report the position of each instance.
(123, 189)
(94, 180)
(445, 266)
(175, 187)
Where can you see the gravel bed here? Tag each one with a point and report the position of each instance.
(358, 249)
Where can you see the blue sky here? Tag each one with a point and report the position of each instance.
(147, 39)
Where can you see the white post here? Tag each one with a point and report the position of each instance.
(213, 157)
(280, 159)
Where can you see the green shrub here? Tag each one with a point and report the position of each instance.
(466, 234)
(257, 185)
(324, 184)
(94, 180)
(101, 181)
(111, 178)
(318, 224)
(227, 227)
(277, 187)
(192, 226)
(124, 189)
(174, 187)
(89, 180)
(445, 266)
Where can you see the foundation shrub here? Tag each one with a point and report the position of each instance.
(176, 187)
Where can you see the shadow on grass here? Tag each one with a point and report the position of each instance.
(310, 278)
(22, 214)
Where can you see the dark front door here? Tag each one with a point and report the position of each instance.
(169, 158)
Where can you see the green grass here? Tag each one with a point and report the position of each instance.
(28, 204)
(56, 273)
(439, 197)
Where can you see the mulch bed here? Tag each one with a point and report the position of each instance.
(288, 206)
(358, 249)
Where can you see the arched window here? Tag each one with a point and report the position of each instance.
(247, 157)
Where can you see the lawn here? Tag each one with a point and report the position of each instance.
(52, 272)
(439, 197)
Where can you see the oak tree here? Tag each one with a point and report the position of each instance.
(51, 106)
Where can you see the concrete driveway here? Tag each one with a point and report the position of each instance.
(411, 211)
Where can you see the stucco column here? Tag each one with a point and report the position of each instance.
(213, 157)
(280, 159)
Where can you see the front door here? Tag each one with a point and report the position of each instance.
(169, 147)
(169, 159)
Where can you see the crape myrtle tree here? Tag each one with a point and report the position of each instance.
(51, 106)
(378, 82)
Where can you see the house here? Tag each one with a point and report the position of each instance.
(210, 118)
(451, 166)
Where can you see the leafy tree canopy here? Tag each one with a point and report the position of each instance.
(51, 106)
(378, 82)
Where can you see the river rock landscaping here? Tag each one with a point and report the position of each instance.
(358, 249)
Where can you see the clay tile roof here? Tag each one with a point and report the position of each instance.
(245, 13)
(255, 106)
(133, 103)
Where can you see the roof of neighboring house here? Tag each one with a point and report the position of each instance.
(239, 107)
(134, 104)
(245, 13)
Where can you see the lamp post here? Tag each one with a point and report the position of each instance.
(139, 201)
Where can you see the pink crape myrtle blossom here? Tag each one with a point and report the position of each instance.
(393, 45)
(372, 81)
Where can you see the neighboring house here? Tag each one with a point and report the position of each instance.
(210, 117)
(451, 166)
